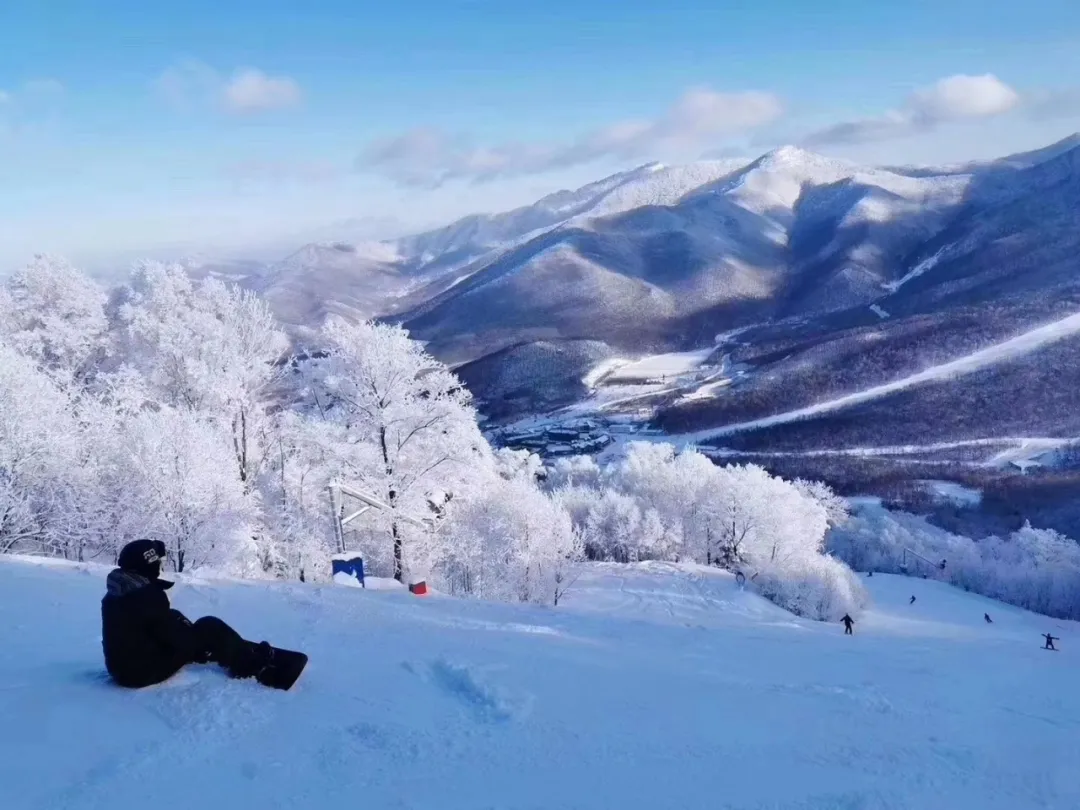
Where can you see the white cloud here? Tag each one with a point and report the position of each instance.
(700, 117)
(959, 97)
(251, 90)
(192, 84)
(952, 99)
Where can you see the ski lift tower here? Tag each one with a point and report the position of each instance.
(339, 491)
(916, 556)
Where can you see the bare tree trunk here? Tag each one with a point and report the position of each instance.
(395, 532)
(239, 428)
(399, 565)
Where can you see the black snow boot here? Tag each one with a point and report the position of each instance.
(250, 659)
(264, 658)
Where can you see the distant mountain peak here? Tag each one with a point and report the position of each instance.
(788, 153)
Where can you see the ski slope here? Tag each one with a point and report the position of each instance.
(653, 686)
(991, 355)
(1019, 450)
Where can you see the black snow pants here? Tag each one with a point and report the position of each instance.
(220, 644)
(206, 640)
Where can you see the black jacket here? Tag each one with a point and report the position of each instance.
(144, 640)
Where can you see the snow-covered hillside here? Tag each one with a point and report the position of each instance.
(991, 355)
(651, 687)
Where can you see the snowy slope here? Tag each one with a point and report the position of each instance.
(652, 687)
(658, 259)
(333, 278)
(1015, 347)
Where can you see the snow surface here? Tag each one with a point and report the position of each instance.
(656, 366)
(619, 384)
(1031, 452)
(952, 492)
(922, 267)
(652, 686)
(991, 355)
(1018, 448)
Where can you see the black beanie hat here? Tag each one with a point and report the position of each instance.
(142, 557)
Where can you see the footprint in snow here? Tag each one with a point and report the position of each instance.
(485, 702)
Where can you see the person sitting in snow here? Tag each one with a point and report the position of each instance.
(848, 622)
(146, 641)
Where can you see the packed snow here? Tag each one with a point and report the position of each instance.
(1031, 452)
(657, 366)
(1019, 449)
(919, 269)
(952, 492)
(654, 686)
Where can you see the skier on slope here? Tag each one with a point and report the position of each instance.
(145, 641)
(848, 622)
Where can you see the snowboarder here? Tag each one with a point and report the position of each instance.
(145, 641)
(912, 602)
(869, 573)
(988, 619)
(848, 622)
(1050, 641)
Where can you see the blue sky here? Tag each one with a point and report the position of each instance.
(132, 128)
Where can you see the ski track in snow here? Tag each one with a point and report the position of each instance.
(651, 686)
(1022, 449)
(998, 353)
(925, 266)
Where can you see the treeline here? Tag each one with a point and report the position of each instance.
(178, 409)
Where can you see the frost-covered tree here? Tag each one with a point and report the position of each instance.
(518, 464)
(837, 510)
(616, 528)
(209, 347)
(299, 466)
(55, 315)
(655, 502)
(408, 429)
(182, 489)
(38, 448)
(511, 541)
(574, 471)
(164, 411)
(50, 498)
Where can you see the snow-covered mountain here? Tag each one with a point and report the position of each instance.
(384, 278)
(836, 277)
(668, 257)
(336, 277)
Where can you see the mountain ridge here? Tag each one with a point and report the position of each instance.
(822, 266)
